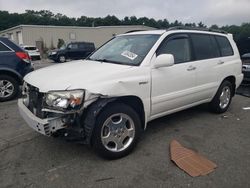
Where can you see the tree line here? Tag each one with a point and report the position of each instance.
(45, 17)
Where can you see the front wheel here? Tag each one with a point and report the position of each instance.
(223, 97)
(61, 59)
(117, 131)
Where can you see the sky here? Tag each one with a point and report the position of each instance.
(220, 12)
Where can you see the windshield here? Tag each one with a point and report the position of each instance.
(127, 49)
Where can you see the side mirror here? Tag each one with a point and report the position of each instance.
(164, 60)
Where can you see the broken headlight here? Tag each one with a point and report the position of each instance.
(64, 100)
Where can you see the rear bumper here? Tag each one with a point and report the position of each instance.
(27, 69)
(239, 79)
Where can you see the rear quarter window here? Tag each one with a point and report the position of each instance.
(86, 46)
(204, 46)
(225, 46)
(4, 48)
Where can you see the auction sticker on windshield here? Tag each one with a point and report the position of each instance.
(129, 55)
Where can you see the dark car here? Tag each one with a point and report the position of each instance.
(14, 65)
(246, 66)
(74, 50)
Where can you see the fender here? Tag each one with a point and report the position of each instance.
(90, 117)
(12, 71)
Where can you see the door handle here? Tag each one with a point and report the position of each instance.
(220, 62)
(191, 68)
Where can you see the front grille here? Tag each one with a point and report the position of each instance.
(35, 100)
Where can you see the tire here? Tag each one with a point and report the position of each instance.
(61, 59)
(126, 133)
(9, 88)
(220, 102)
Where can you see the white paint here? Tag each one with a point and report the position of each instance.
(19, 37)
(166, 89)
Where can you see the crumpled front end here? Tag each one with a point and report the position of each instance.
(44, 121)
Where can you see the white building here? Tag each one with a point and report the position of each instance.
(48, 35)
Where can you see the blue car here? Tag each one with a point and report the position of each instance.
(246, 66)
(14, 65)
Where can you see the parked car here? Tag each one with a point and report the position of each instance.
(14, 65)
(33, 52)
(74, 50)
(109, 98)
(246, 66)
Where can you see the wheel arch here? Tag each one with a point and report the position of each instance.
(137, 104)
(231, 79)
(93, 110)
(13, 74)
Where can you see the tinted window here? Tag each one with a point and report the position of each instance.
(225, 46)
(86, 46)
(205, 46)
(82, 45)
(3, 48)
(73, 46)
(178, 47)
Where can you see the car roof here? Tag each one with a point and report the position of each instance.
(81, 42)
(24, 46)
(10, 44)
(149, 32)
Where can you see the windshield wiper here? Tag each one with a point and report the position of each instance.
(100, 60)
(103, 60)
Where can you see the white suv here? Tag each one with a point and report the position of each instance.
(33, 52)
(108, 99)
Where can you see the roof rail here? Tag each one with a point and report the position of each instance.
(196, 29)
(136, 30)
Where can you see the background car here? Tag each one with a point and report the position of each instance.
(14, 65)
(33, 52)
(246, 66)
(74, 50)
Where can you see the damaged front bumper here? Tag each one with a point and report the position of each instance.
(44, 126)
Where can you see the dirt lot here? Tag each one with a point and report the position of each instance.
(29, 159)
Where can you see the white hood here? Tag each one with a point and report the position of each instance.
(80, 74)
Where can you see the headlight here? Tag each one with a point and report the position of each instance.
(65, 100)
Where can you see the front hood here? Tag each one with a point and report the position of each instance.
(76, 75)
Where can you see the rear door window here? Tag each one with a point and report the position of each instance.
(225, 46)
(4, 48)
(178, 46)
(205, 46)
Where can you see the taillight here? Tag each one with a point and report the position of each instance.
(24, 56)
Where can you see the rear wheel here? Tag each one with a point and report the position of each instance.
(9, 88)
(117, 131)
(223, 97)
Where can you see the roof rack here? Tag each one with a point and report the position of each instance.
(196, 29)
(136, 30)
